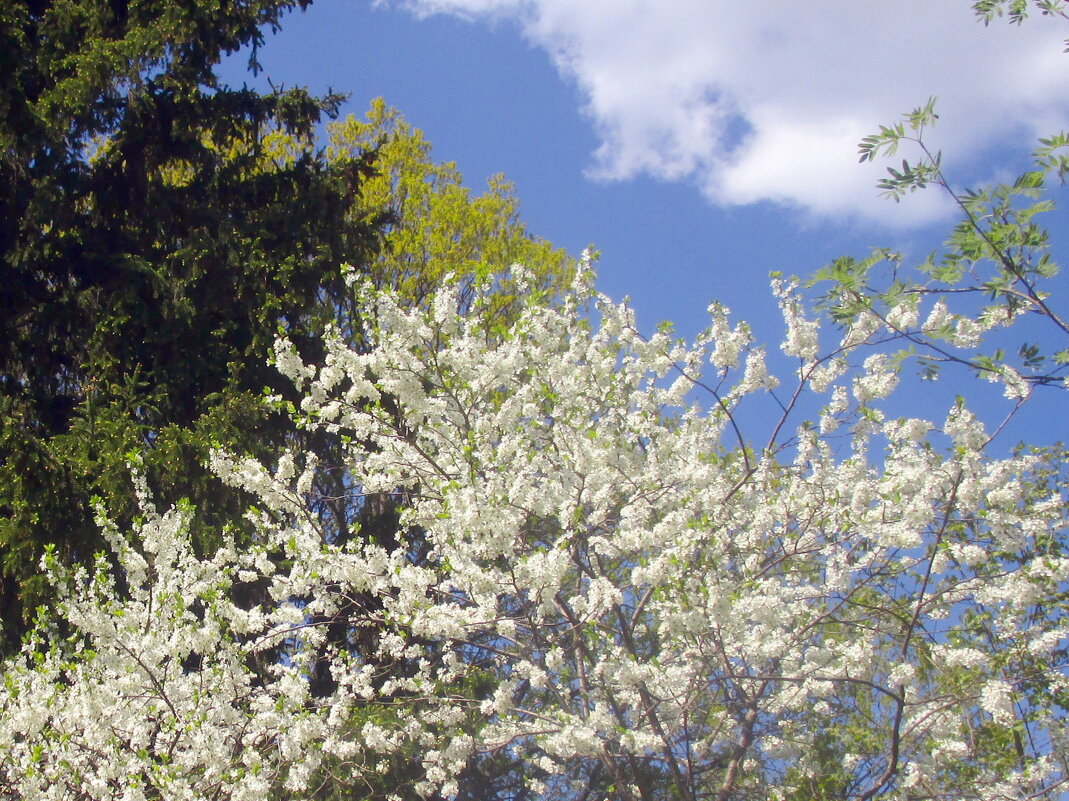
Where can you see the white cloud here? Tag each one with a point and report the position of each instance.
(767, 101)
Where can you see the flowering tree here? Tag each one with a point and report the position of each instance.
(598, 579)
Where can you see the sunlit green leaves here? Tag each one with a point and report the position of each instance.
(998, 254)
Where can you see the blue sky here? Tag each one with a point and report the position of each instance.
(698, 144)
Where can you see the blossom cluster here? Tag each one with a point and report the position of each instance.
(595, 574)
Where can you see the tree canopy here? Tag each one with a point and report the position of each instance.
(438, 229)
(146, 267)
(617, 595)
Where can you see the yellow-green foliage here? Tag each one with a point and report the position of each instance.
(439, 227)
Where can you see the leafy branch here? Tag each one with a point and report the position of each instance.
(998, 253)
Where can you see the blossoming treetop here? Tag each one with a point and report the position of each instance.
(617, 589)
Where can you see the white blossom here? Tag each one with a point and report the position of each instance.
(602, 571)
